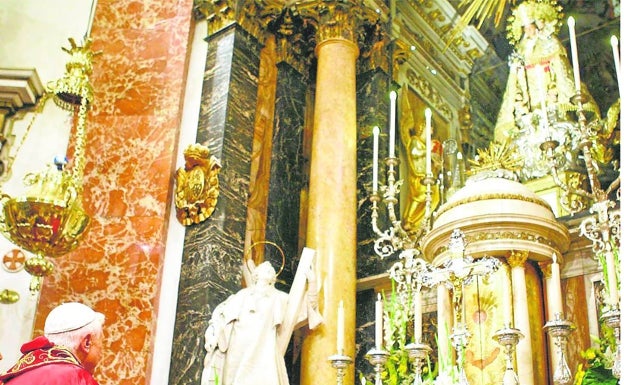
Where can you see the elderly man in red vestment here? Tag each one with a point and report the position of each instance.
(67, 353)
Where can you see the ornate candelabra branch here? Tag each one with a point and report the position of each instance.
(586, 131)
(602, 228)
(395, 237)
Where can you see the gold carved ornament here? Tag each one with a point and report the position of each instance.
(197, 185)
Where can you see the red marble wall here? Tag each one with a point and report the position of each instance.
(131, 152)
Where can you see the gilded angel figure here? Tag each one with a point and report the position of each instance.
(412, 137)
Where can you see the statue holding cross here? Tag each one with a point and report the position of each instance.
(248, 333)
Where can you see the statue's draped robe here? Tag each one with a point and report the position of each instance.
(246, 327)
(248, 333)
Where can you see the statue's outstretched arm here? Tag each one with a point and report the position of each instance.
(296, 297)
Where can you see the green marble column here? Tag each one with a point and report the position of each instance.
(213, 249)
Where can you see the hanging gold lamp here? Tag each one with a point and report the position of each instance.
(49, 220)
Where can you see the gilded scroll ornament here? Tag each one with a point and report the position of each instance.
(197, 185)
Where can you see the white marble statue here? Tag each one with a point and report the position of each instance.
(249, 332)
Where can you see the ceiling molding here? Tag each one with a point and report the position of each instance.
(19, 88)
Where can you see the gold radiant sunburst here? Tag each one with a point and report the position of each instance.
(498, 156)
(483, 9)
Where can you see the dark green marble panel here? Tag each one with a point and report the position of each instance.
(365, 333)
(373, 105)
(213, 249)
(287, 181)
(287, 166)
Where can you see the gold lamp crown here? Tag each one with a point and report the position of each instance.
(74, 88)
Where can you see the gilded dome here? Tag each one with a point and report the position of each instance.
(497, 215)
(493, 196)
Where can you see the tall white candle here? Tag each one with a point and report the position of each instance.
(375, 157)
(542, 81)
(393, 97)
(616, 59)
(417, 316)
(428, 142)
(462, 168)
(378, 322)
(340, 331)
(556, 305)
(611, 276)
(575, 61)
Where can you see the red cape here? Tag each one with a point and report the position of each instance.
(43, 362)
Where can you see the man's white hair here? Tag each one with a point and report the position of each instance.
(71, 339)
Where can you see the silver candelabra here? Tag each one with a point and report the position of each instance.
(418, 353)
(508, 338)
(340, 362)
(559, 329)
(377, 358)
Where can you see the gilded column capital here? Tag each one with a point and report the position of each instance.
(546, 268)
(218, 13)
(301, 26)
(294, 33)
(517, 258)
(337, 19)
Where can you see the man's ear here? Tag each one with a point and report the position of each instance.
(85, 344)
